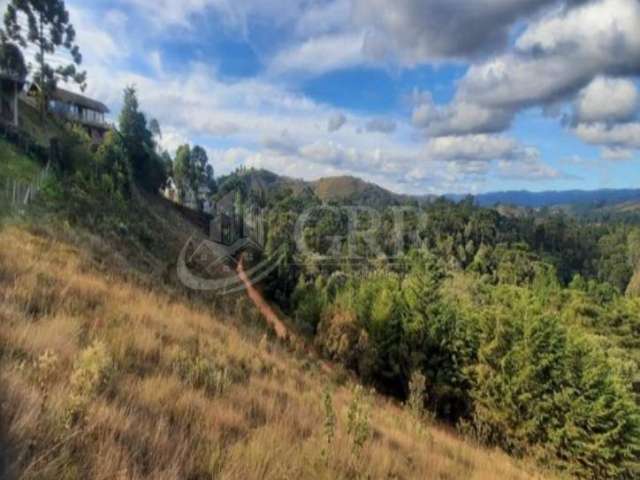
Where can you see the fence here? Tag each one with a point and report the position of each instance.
(17, 194)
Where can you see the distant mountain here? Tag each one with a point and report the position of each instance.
(555, 198)
(347, 189)
(353, 190)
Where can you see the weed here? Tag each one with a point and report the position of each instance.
(329, 424)
(358, 426)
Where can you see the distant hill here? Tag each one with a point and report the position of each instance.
(555, 198)
(340, 189)
(353, 190)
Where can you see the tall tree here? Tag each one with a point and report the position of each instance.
(154, 128)
(182, 170)
(147, 166)
(210, 179)
(200, 160)
(48, 30)
(168, 163)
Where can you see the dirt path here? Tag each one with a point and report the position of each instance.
(261, 304)
(272, 319)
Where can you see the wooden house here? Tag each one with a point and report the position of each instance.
(78, 109)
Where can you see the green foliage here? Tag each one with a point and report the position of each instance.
(541, 388)
(615, 263)
(92, 370)
(148, 167)
(16, 165)
(89, 188)
(200, 371)
(418, 396)
(513, 358)
(192, 172)
(330, 422)
(92, 373)
(309, 302)
(358, 422)
(111, 158)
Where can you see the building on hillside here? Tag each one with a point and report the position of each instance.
(170, 191)
(233, 221)
(10, 87)
(204, 199)
(79, 109)
(199, 201)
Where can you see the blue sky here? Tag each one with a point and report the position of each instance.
(420, 96)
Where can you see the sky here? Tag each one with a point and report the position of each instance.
(418, 96)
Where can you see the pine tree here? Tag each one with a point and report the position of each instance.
(48, 29)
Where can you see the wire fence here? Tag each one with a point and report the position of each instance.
(18, 194)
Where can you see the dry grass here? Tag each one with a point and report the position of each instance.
(105, 378)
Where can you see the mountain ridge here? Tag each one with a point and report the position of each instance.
(352, 188)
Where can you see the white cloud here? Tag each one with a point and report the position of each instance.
(425, 31)
(607, 99)
(587, 56)
(459, 118)
(474, 148)
(320, 54)
(322, 18)
(624, 135)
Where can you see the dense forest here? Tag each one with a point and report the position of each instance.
(523, 330)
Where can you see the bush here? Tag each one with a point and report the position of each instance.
(540, 388)
(202, 373)
(358, 423)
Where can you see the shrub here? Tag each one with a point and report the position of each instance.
(540, 388)
(358, 426)
(417, 396)
(329, 424)
(200, 372)
(92, 373)
(92, 370)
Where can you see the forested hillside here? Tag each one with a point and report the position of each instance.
(523, 329)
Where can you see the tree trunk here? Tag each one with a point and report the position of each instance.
(43, 95)
(15, 105)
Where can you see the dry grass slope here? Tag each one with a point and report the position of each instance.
(103, 377)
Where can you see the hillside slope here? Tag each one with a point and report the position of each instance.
(106, 372)
(352, 189)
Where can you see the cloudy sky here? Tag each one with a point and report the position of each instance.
(420, 96)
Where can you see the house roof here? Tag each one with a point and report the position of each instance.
(75, 98)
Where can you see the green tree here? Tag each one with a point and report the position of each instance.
(48, 29)
(199, 160)
(111, 158)
(154, 128)
(210, 179)
(148, 167)
(183, 170)
(168, 163)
